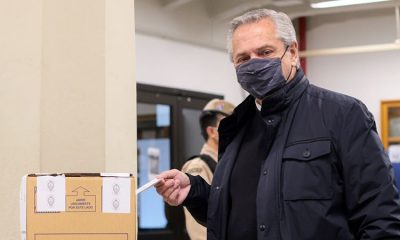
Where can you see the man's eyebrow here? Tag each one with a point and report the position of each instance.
(265, 46)
(257, 50)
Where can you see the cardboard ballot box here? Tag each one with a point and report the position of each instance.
(78, 207)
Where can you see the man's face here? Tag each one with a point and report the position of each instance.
(259, 40)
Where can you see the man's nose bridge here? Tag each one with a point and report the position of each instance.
(254, 55)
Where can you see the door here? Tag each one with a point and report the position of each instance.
(168, 133)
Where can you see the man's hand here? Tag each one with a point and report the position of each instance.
(173, 187)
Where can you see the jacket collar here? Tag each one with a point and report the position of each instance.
(281, 99)
(272, 104)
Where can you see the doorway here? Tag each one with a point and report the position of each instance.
(168, 133)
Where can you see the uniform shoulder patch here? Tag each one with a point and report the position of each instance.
(194, 170)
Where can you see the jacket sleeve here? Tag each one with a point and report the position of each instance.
(197, 200)
(372, 199)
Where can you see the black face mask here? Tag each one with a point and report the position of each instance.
(262, 76)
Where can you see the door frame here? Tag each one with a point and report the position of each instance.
(177, 99)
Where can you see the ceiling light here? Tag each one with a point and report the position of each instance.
(286, 3)
(340, 3)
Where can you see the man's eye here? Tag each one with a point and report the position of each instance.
(241, 60)
(266, 53)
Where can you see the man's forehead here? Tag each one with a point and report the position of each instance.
(263, 28)
(253, 36)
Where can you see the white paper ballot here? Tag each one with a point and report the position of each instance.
(116, 195)
(148, 185)
(50, 194)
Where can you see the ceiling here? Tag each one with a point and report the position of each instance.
(220, 10)
(204, 22)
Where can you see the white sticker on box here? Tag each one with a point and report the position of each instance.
(22, 207)
(50, 195)
(115, 174)
(116, 195)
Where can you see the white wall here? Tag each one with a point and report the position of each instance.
(370, 77)
(20, 90)
(185, 64)
(175, 64)
(67, 92)
(190, 23)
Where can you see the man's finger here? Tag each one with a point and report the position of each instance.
(174, 196)
(168, 174)
(165, 187)
(172, 186)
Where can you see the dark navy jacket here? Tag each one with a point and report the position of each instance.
(326, 176)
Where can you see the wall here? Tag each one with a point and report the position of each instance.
(175, 64)
(72, 108)
(370, 77)
(20, 84)
(189, 22)
(197, 63)
(67, 92)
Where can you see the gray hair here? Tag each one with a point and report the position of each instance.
(282, 22)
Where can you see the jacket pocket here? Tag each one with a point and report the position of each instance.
(214, 202)
(307, 171)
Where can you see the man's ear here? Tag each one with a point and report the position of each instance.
(294, 53)
(211, 131)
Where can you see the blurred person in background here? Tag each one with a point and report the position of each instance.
(205, 163)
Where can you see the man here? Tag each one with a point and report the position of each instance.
(300, 163)
(204, 164)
